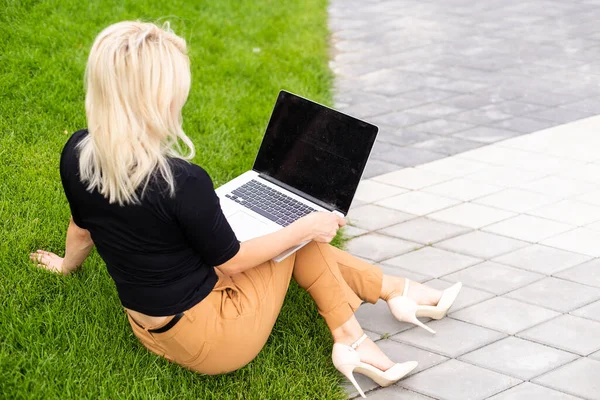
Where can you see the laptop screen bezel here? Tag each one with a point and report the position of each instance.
(369, 129)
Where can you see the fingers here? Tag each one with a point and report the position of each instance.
(41, 257)
(341, 221)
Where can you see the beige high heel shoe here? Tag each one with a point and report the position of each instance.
(347, 360)
(405, 309)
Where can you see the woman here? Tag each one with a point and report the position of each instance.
(192, 292)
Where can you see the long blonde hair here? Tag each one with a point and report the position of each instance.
(137, 81)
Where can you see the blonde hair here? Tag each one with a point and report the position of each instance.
(137, 81)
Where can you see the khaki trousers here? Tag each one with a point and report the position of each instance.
(227, 329)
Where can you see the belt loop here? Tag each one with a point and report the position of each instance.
(135, 322)
(190, 316)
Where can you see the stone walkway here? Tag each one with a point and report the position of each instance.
(443, 77)
(515, 218)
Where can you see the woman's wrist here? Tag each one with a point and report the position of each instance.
(304, 231)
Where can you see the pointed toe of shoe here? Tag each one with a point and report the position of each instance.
(397, 372)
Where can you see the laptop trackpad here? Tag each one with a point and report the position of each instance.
(246, 226)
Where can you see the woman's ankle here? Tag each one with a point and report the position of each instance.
(391, 286)
(347, 333)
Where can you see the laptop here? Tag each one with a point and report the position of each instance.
(311, 159)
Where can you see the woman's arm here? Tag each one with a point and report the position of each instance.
(319, 226)
(77, 247)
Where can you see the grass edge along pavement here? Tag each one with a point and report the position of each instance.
(67, 337)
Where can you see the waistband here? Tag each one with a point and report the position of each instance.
(172, 322)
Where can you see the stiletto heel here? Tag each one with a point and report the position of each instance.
(347, 360)
(347, 370)
(405, 309)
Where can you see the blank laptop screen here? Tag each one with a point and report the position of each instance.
(315, 149)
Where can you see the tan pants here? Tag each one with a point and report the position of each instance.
(227, 329)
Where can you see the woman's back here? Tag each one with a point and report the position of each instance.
(160, 252)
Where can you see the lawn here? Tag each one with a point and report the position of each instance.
(67, 337)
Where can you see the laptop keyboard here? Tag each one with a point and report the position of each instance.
(269, 203)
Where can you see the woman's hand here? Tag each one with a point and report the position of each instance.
(322, 226)
(49, 261)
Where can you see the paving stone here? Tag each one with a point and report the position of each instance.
(379, 247)
(481, 244)
(372, 217)
(424, 230)
(401, 352)
(528, 228)
(529, 391)
(462, 189)
(591, 311)
(442, 382)
(429, 94)
(591, 104)
(399, 119)
(519, 358)
(447, 145)
(452, 337)
(472, 215)
(582, 240)
(583, 172)
(556, 294)
(501, 156)
(377, 167)
(432, 262)
(560, 115)
(405, 156)
(403, 137)
(467, 101)
(587, 273)
(370, 191)
(462, 86)
(441, 126)
(417, 203)
(521, 124)
(505, 176)
(504, 315)
(518, 108)
(467, 297)
(357, 203)
(395, 392)
(542, 259)
(377, 318)
(551, 185)
(434, 110)
(548, 98)
(405, 273)
(485, 134)
(567, 332)
(493, 277)
(352, 231)
(580, 378)
(569, 212)
(412, 178)
(453, 166)
(516, 200)
(480, 116)
(595, 356)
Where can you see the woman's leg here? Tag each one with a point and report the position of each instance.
(230, 326)
(361, 277)
(317, 271)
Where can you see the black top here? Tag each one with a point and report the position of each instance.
(160, 253)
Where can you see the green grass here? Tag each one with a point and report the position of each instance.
(67, 337)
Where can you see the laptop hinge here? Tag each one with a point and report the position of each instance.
(297, 192)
